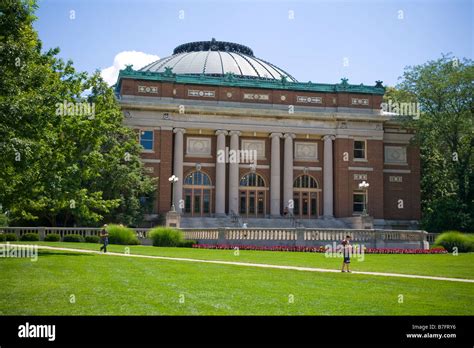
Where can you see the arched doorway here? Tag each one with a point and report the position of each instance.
(197, 194)
(306, 197)
(252, 196)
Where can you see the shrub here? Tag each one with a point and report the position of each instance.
(11, 237)
(166, 236)
(29, 237)
(73, 238)
(187, 243)
(122, 235)
(92, 239)
(450, 239)
(2, 237)
(52, 237)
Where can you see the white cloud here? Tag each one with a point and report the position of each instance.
(138, 59)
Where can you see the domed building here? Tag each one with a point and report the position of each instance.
(218, 58)
(246, 141)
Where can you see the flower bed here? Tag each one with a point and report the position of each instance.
(317, 249)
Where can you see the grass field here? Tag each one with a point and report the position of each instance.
(114, 285)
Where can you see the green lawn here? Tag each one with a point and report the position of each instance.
(443, 265)
(113, 285)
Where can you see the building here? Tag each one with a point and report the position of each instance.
(315, 143)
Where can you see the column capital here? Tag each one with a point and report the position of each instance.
(289, 135)
(221, 132)
(179, 130)
(279, 135)
(234, 132)
(329, 137)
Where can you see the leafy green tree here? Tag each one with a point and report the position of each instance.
(444, 90)
(65, 156)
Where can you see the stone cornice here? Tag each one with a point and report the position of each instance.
(269, 111)
(234, 81)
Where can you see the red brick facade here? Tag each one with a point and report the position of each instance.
(394, 192)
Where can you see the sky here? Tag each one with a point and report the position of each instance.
(318, 41)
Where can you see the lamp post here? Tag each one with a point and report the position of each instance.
(173, 179)
(364, 186)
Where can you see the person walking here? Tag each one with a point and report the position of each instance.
(346, 248)
(104, 238)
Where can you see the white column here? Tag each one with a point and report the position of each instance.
(178, 167)
(288, 170)
(220, 173)
(328, 177)
(234, 174)
(275, 175)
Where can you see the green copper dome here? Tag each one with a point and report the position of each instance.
(218, 58)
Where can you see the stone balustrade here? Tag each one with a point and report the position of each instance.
(262, 236)
(142, 233)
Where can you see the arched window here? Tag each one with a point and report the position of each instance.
(252, 180)
(305, 181)
(197, 194)
(197, 179)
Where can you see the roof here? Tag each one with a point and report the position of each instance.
(231, 81)
(221, 63)
(217, 58)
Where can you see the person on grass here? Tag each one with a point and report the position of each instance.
(346, 249)
(104, 238)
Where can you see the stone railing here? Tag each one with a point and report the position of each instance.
(142, 233)
(308, 237)
(262, 236)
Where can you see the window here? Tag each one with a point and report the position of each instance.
(359, 202)
(359, 149)
(197, 194)
(197, 179)
(146, 140)
(305, 181)
(252, 180)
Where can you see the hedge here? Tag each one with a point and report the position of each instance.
(52, 237)
(166, 236)
(29, 237)
(73, 238)
(122, 235)
(451, 239)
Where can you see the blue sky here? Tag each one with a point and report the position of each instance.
(323, 42)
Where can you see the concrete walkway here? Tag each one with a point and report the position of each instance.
(260, 265)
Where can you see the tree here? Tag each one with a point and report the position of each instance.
(65, 158)
(445, 133)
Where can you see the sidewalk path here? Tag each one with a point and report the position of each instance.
(261, 265)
